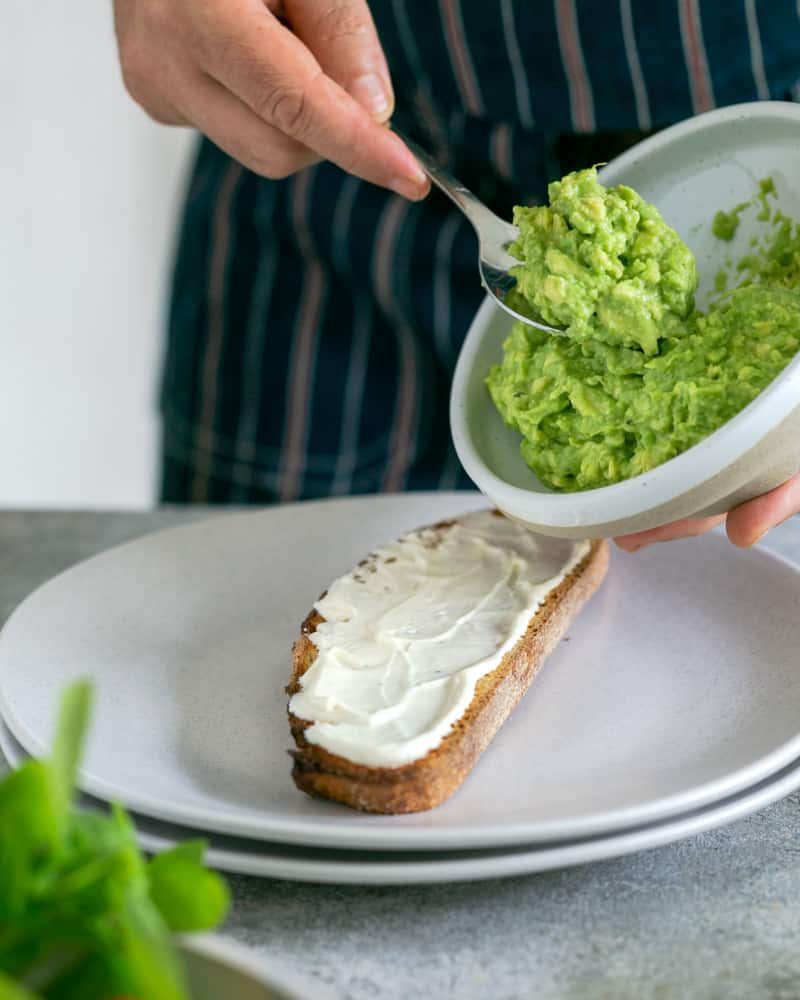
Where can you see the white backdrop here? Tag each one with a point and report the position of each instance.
(89, 193)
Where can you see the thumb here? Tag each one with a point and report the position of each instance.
(341, 34)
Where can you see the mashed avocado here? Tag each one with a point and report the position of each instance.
(602, 262)
(642, 375)
(725, 224)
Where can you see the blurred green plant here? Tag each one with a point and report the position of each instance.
(83, 914)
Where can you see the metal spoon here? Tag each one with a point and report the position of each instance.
(494, 236)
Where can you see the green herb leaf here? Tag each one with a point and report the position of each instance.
(188, 895)
(9, 990)
(152, 969)
(73, 722)
(83, 915)
(28, 830)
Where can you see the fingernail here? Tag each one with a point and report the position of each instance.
(631, 545)
(372, 94)
(410, 187)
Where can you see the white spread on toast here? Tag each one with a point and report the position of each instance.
(407, 636)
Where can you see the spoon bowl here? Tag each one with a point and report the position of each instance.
(689, 171)
(494, 237)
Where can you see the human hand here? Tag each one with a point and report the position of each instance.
(745, 524)
(277, 85)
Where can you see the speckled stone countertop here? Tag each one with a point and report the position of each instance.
(716, 916)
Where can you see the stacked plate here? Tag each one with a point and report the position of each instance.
(672, 706)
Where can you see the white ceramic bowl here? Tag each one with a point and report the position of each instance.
(221, 969)
(689, 171)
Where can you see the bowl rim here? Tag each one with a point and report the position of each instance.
(266, 971)
(675, 477)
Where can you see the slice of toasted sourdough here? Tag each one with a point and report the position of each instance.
(429, 780)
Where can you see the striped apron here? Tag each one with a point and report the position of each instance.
(315, 321)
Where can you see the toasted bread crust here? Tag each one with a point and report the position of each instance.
(427, 782)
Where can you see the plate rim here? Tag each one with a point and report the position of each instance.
(540, 858)
(602, 848)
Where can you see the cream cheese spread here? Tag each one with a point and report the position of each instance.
(408, 634)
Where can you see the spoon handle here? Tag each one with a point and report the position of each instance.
(491, 229)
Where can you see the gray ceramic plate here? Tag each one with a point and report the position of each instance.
(676, 686)
(323, 865)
